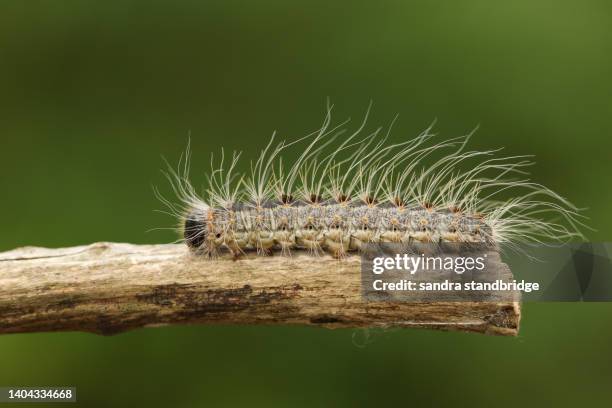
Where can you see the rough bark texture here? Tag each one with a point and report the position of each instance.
(108, 288)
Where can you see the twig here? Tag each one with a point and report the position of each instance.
(108, 288)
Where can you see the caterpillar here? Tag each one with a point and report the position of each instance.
(347, 189)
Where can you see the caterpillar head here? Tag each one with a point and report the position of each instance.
(194, 229)
(201, 232)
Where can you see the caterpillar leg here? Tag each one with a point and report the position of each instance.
(314, 247)
(235, 249)
(338, 250)
(264, 247)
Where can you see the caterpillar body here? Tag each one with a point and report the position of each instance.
(366, 191)
(337, 228)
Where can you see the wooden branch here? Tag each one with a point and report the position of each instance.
(108, 288)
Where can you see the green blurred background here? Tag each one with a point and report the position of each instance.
(93, 93)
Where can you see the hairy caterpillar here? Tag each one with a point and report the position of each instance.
(345, 190)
